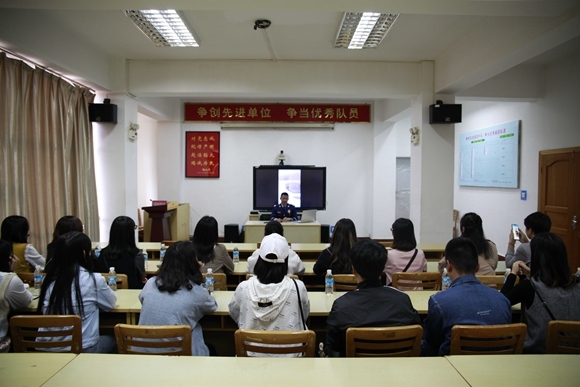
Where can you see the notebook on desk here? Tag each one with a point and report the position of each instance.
(308, 216)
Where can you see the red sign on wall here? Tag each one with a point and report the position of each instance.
(276, 112)
(202, 154)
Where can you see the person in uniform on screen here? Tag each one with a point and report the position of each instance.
(284, 212)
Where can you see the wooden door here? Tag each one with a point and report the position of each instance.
(559, 197)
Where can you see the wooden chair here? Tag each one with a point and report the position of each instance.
(172, 340)
(345, 282)
(386, 242)
(421, 281)
(563, 337)
(122, 280)
(302, 343)
(401, 341)
(67, 333)
(220, 281)
(494, 281)
(488, 339)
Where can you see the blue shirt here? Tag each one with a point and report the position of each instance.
(466, 302)
(281, 212)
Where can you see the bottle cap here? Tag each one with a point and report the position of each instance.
(329, 271)
(209, 271)
(112, 268)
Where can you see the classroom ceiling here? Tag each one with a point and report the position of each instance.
(300, 30)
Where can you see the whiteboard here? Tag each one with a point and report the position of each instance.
(490, 157)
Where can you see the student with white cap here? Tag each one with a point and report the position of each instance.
(270, 300)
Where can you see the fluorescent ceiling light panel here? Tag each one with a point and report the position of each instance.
(360, 30)
(165, 28)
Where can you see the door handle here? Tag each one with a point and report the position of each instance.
(574, 222)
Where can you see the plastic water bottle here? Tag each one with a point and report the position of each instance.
(112, 279)
(145, 256)
(97, 251)
(209, 280)
(445, 280)
(37, 279)
(578, 273)
(329, 283)
(162, 252)
(236, 255)
(507, 273)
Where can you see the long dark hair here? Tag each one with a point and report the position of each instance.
(5, 253)
(179, 268)
(403, 235)
(472, 227)
(15, 229)
(550, 261)
(343, 238)
(205, 238)
(72, 251)
(121, 239)
(65, 224)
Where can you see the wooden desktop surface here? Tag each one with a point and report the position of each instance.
(31, 369)
(522, 370)
(152, 370)
(295, 232)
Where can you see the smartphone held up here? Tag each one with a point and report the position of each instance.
(516, 232)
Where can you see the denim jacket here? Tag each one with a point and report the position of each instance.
(466, 302)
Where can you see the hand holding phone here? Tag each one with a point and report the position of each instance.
(515, 232)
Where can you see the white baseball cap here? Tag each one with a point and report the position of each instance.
(274, 244)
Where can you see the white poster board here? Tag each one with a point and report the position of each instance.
(490, 157)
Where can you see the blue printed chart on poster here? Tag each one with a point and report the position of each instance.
(490, 157)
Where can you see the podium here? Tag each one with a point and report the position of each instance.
(166, 222)
(159, 216)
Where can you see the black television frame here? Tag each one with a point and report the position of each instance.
(262, 204)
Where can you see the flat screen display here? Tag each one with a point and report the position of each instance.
(306, 187)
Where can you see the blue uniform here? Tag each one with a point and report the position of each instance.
(281, 212)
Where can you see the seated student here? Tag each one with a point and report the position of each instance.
(212, 254)
(404, 255)
(547, 292)
(472, 228)
(16, 230)
(269, 300)
(295, 265)
(467, 301)
(176, 295)
(12, 291)
(71, 287)
(65, 224)
(536, 222)
(123, 254)
(371, 304)
(336, 257)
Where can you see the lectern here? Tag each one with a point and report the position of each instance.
(159, 216)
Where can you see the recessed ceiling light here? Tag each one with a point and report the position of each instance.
(360, 30)
(164, 27)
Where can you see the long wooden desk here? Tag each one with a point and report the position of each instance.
(152, 370)
(294, 232)
(31, 369)
(521, 370)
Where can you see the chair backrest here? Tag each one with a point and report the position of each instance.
(153, 339)
(66, 331)
(420, 281)
(122, 280)
(302, 343)
(220, 281)
(384, 342)
(345, 282)
(494, 281)
(563, 337)
(488, 339)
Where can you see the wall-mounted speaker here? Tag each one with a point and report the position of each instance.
(103, 112)
(444, 114)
